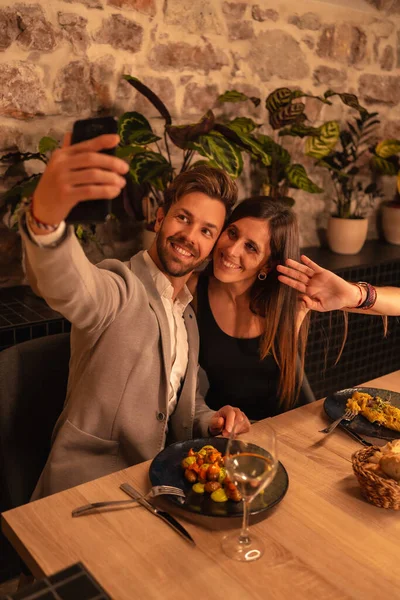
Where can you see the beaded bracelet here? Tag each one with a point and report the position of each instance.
(371, 295)
(36, 222)
(361, 296)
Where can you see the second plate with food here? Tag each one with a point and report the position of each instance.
(166, 469)
(335, 406)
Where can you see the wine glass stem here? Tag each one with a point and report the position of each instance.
(244, 536)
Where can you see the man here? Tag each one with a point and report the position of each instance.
(323, 291)
(133, 368)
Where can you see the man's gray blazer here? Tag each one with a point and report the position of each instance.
(117, 398)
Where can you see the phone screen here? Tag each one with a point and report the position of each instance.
(93, 211)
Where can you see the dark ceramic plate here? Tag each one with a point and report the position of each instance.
(335, 406)
(166, 470)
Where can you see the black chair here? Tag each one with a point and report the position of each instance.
(33, 383)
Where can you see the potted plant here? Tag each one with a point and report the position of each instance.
(156, 159)
(354, 192)
(385, 161)
(286, 118)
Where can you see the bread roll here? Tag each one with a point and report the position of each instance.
(390, 464)
(393, 446)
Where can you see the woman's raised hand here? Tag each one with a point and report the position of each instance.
(320, 289)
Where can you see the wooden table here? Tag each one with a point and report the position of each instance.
(323, 540)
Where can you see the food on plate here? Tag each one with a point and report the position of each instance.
(375, 409)
(219, 495)
(205, 469)
(386, 461)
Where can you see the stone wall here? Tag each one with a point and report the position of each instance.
(63, 60)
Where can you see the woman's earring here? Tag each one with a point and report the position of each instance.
(262, 275)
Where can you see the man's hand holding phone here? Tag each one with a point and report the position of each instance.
(76, 173)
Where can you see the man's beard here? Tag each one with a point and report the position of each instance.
(170, 262)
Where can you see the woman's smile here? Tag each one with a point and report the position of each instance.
(227, 263)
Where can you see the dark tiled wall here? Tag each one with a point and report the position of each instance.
(24, 316)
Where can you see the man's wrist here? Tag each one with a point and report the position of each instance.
(40, 237)
(38, 225)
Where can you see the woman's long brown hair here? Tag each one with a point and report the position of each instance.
(276, 302)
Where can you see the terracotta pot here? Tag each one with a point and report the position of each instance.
(346, 236)
(391, 223)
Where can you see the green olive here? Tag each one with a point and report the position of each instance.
(186, 462)
(219, 495)
(221, 475)
(198, 488)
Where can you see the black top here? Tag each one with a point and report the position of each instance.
(235, 372)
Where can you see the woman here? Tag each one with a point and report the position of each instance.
(251, 336)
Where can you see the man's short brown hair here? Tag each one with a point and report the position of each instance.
(210, 181)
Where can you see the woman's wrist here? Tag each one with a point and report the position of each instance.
(370, 297)
(366, 296)
(356, 296)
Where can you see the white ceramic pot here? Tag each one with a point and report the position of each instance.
(391, 223)
(346, 236)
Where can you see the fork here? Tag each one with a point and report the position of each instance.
(156, 490)
(347, 416)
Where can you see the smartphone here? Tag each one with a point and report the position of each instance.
(92, 211)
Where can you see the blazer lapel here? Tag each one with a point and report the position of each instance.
(139, 267)
(181, 422)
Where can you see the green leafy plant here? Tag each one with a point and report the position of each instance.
(153, 165)
(25, 184)
(287, 117)
(347, 162)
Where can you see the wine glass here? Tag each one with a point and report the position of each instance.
(251, 468)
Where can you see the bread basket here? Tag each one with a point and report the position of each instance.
(382, 492)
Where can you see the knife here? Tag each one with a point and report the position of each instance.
(162, 514)
(355, 436)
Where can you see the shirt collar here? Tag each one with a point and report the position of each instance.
(164, 286)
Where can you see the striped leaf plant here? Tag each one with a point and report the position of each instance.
(385, 161)
(347, 159)
(286, 117)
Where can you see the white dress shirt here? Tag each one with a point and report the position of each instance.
(177, 328)
(174, 311)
